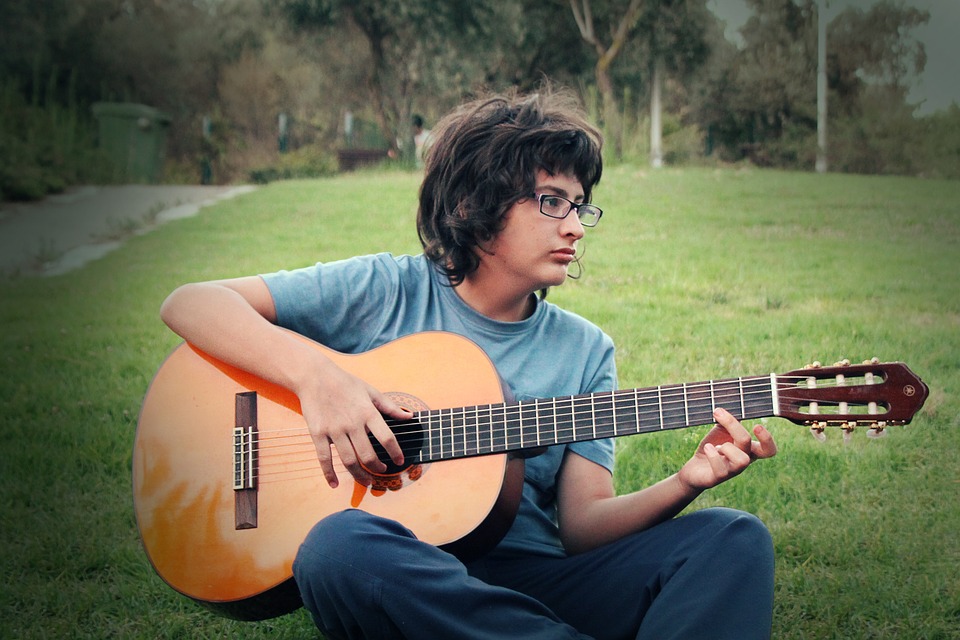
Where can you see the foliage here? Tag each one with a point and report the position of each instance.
(44, 149)
(306, 162)
(764, 103)
(696, 274)
(243, 63)
(409, 41)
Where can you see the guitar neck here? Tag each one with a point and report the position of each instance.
(446, 434)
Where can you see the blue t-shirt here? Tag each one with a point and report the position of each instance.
(355, 305)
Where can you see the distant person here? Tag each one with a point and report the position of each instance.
(421, 138)
(504, 203)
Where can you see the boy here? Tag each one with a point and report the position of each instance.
(503, 205)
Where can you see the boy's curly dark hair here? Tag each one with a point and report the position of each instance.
(484, 158)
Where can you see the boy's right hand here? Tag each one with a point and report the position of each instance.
(341, 410)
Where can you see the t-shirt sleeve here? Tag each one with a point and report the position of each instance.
(339, 304)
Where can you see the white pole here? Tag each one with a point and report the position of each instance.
(822, 86)
(656, 127)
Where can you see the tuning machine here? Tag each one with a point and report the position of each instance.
(817, 431)
(878, 430)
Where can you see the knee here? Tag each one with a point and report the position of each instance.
(343, 542)
(741, 534)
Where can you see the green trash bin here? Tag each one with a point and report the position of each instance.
(134, 137)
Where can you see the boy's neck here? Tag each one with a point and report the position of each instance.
(495, 301)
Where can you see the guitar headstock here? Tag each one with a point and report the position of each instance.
(873, 394)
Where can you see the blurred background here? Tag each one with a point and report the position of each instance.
(239, 91)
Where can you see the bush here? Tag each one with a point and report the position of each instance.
(306, 162)
(44, 149)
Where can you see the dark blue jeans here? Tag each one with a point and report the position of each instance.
(704, 575)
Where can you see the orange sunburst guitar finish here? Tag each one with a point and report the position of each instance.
(185, 461)
(227, 484)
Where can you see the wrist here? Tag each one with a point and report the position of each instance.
(686, 490)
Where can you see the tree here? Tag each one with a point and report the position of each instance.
(621, 25)
(405, 38)
(677, 44)
(767, 112)
(875, 47)
(667, 36)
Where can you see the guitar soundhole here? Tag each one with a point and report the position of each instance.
(410, 436)
(409, 433)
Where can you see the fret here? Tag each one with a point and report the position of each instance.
(520, 414)
(651, 415)
(447, 449)
(604, 415)
(563, 419)
(700, 397)
(512, 427)
(636, 409)
(456, 432)
(488, 431)
(556, 436)
(727, 395)
(593, 417)
(660, 405)
(673, 414)
(613, 412)
(498, 429)
(470, 433)
(760, 400)
(583, 426)
(429, 417)
(529, 431)
(686, 408)
(743, 409)
(774, 398)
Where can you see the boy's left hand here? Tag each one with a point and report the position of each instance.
(725, 452)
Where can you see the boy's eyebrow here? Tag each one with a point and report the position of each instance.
(558, 191)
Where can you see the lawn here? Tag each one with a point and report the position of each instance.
(695, 273)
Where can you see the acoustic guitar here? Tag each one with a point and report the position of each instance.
(227, 484)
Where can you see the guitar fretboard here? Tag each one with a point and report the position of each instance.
(445, 434)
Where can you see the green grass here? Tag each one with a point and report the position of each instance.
(696, 274)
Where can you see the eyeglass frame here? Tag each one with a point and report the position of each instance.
(574, 206)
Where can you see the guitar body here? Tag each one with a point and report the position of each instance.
(184, 466)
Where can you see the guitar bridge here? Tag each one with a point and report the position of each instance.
(245, 461)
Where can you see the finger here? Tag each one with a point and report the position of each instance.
(366, 453)
(325, 456)
(718, 462)
(378, 426)
(388, 439)
(349, 459)
(764, 446)
(737, 459)
(387, 406)
(737, 432)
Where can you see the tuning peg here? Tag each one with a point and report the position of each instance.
(878, 430)
(816, 430)
(813, 365)
(873, 360)
(842, 363)
(848, 429)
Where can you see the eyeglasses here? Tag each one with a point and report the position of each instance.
(557, 207)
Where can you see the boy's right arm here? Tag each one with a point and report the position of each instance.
(234, 320)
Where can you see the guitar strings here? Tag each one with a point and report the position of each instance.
(669, 397)
(670, 400)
